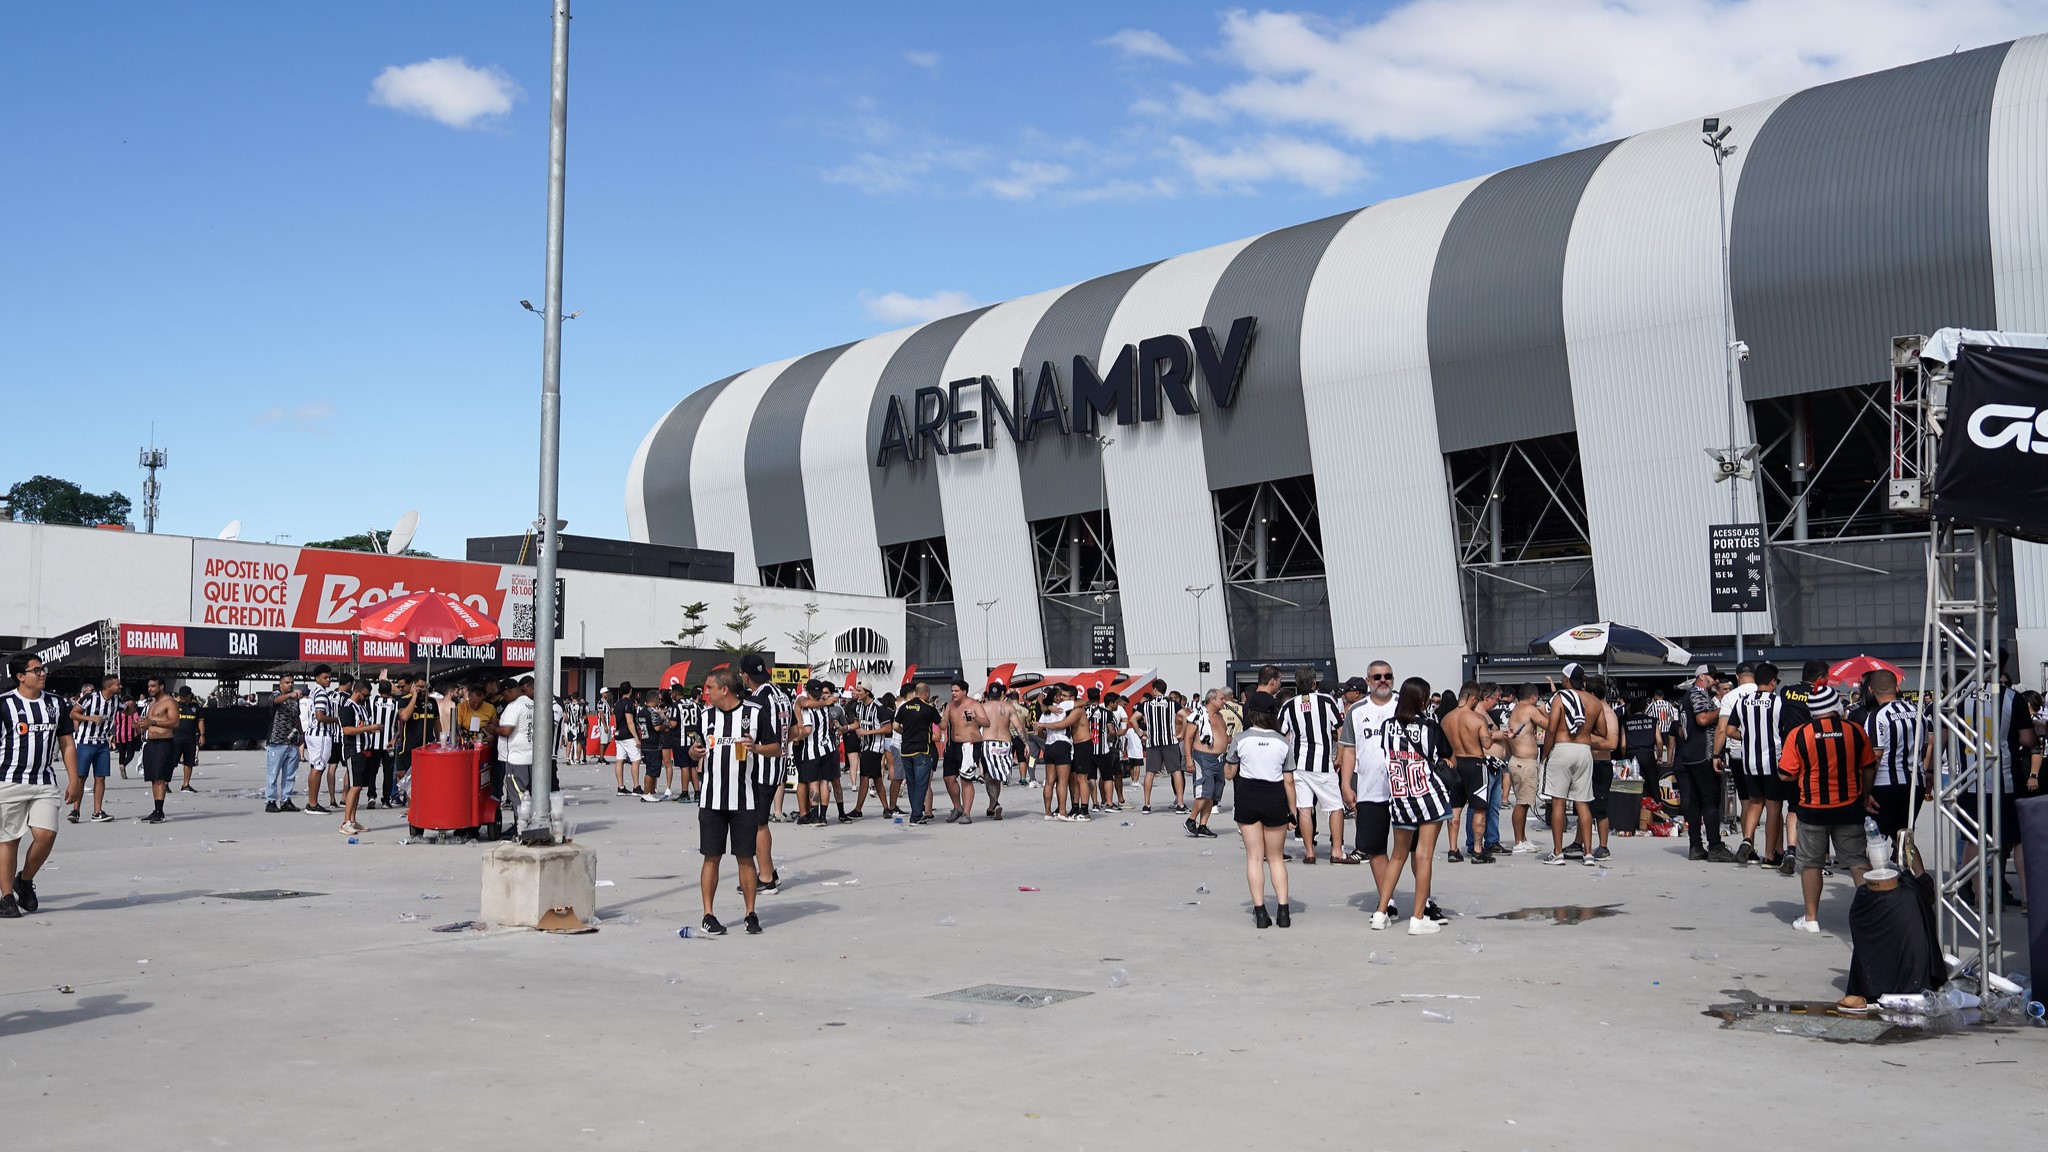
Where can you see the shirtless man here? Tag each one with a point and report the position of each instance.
(1469, 732)
(1524, 733)
(999, 724)
(964, 720)
(1208, 738)
(1606, 738)
(1568, 767)
(159, 751)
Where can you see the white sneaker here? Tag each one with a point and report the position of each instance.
(1524, 848)
(1379, 921)
(1556, 858)
(1804, 925)
(1422, 927)
(651, 798)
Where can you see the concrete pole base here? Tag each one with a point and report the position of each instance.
(521, 882)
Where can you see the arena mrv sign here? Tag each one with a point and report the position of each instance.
(941, 421)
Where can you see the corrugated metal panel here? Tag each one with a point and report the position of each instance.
(1159, 504)
(1643, 325)
(1864, 214)
(836, 460)
(775, 488)
(1264, 436)
(663, 470)
(1062, 475)
(636, 477)
(906, 494)
(1388, 541)
(718, 470)
(986, 535)
(2018, 166)
(1496, 325)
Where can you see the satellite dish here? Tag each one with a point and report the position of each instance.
(401, 536)
(232, 532)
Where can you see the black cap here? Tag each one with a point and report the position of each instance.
(1355, 684)
(754, 664)
(996, 685)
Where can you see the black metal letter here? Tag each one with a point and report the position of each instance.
(927, 427)
(1175, 378)
(1224, 371)
(893, 437)
(958, 416)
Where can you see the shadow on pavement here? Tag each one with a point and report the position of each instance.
(150, 898)
(87, 1008)
(780, 913)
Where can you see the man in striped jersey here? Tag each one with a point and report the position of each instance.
(323, 732)
(1899, 733)
(769, 761)
(1833, 765)
(92, 719)
(35, 730)
(359, 728)
(816, 767)
(728, 730)
(1159, 720)
(1749, 721)
(384, 744)
(1309, 721)
(1102, 755)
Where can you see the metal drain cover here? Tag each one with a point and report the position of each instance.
(1009, 994)
(267, 894)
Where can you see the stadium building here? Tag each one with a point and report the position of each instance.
(1427, 430)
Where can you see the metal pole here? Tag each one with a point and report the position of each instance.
(1721, 153)
(550, 442)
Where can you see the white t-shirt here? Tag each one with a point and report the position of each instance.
(1134, 745)
(1737, 693)
(518, 747)
(1361, 730)
(1060, 735)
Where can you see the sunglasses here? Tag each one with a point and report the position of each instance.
(1380, 677)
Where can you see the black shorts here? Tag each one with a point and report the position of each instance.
(188, 752)
(818, 771)
(1770, 788)
(1375, 821)
(1466, 781)
(1262, 802)
(1059, 752)
(362, 770)
(159, 759)
(727, 833)
(1603, 783)
(1892, 802)
(871, 764)
(764, 796)
(650, 765)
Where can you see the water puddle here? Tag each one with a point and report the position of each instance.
(1561, 913)
(1821, 1020)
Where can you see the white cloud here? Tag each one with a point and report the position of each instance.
(1027, 179)
(1318, 167)
(923, 59)
(1146, 43)
(311, 415)
(446, 89)
(1473, 71)
(899, 308)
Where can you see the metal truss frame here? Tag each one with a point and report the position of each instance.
(1242, 516)
(907, 571)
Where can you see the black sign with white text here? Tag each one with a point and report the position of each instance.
(1992, 469)
(1102, 645)
(1736, 559)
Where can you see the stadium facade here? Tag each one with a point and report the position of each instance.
(1429, 429)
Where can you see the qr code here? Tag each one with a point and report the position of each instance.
(522, 622)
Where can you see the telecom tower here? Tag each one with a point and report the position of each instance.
(153, 458)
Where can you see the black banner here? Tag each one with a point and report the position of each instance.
(1735, 556)
(78, 646)
(1102, 645)
(1993, 466)
(257, 645)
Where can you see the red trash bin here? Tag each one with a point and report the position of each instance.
(451, 793)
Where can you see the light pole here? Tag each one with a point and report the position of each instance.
(1196, 592)
(1732, 466)
(988, 665)
(539, 827)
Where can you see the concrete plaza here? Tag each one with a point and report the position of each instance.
(341, 1020)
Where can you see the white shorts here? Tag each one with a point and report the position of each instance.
(25, 806)
(629, 749)
(319, 749)
(1568, 774)
(1318, 790)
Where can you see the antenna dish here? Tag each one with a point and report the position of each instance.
(401, 536)
(232, 532)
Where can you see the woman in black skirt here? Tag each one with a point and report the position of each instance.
(1414, 745)
(1260, 759)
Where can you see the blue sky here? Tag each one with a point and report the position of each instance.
(293, 236)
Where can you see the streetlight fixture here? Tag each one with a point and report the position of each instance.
(1737, 462)
(1196, 592)
(542, 312)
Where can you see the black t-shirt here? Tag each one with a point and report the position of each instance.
(1696, 743)
(915, 720)
(1640, 731)
(188, 720)
(621, 728)
(1792, 709)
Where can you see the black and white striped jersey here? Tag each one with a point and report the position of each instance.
(99, 710)
(819, 742)
(867, 716)
(1756, 716)
(1159, 719)
(1309, 721)
(1101, 728)
(355, 715)
(327, 700)
(1900, 735)
(28, 737)
(728, 786)
(1572, 710)
(1416, 794)
(384, 714)
(775, 708)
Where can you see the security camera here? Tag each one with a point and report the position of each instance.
(1741, 351)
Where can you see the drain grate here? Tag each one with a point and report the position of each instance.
(1008, 994)
(267, 894)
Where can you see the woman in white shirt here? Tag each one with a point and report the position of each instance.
(1261, 760)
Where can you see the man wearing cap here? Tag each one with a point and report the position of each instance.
(1699, 780)
(769, 767)
(1834, 766)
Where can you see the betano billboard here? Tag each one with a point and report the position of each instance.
(267, 586)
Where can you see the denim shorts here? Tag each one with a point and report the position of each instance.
(1208, 776)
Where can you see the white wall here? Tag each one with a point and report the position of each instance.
(55, 578)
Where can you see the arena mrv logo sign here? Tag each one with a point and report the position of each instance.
(941, 421)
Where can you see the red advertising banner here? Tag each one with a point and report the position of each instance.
(268, 586)
(518, 653)
(384, 651)
(152, 640)
(315, 647)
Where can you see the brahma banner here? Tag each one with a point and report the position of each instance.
(267, 586)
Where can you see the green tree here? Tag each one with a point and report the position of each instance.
(805, 639)
(48, 500)
(360, 542)
(693, 626)
(741, 623)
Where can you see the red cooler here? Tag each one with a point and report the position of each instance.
(451, 793)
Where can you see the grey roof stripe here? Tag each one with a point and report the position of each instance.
(671, 519)
(906, 494)
(775, 481)
(1864, 213)
(1062, 475)
(1264, 436)
(1497, 358)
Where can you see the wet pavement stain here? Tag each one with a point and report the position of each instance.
(1561, 913)
(1820, 1020)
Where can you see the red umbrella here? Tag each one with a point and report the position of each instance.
(426, 618)
(1849, 673)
